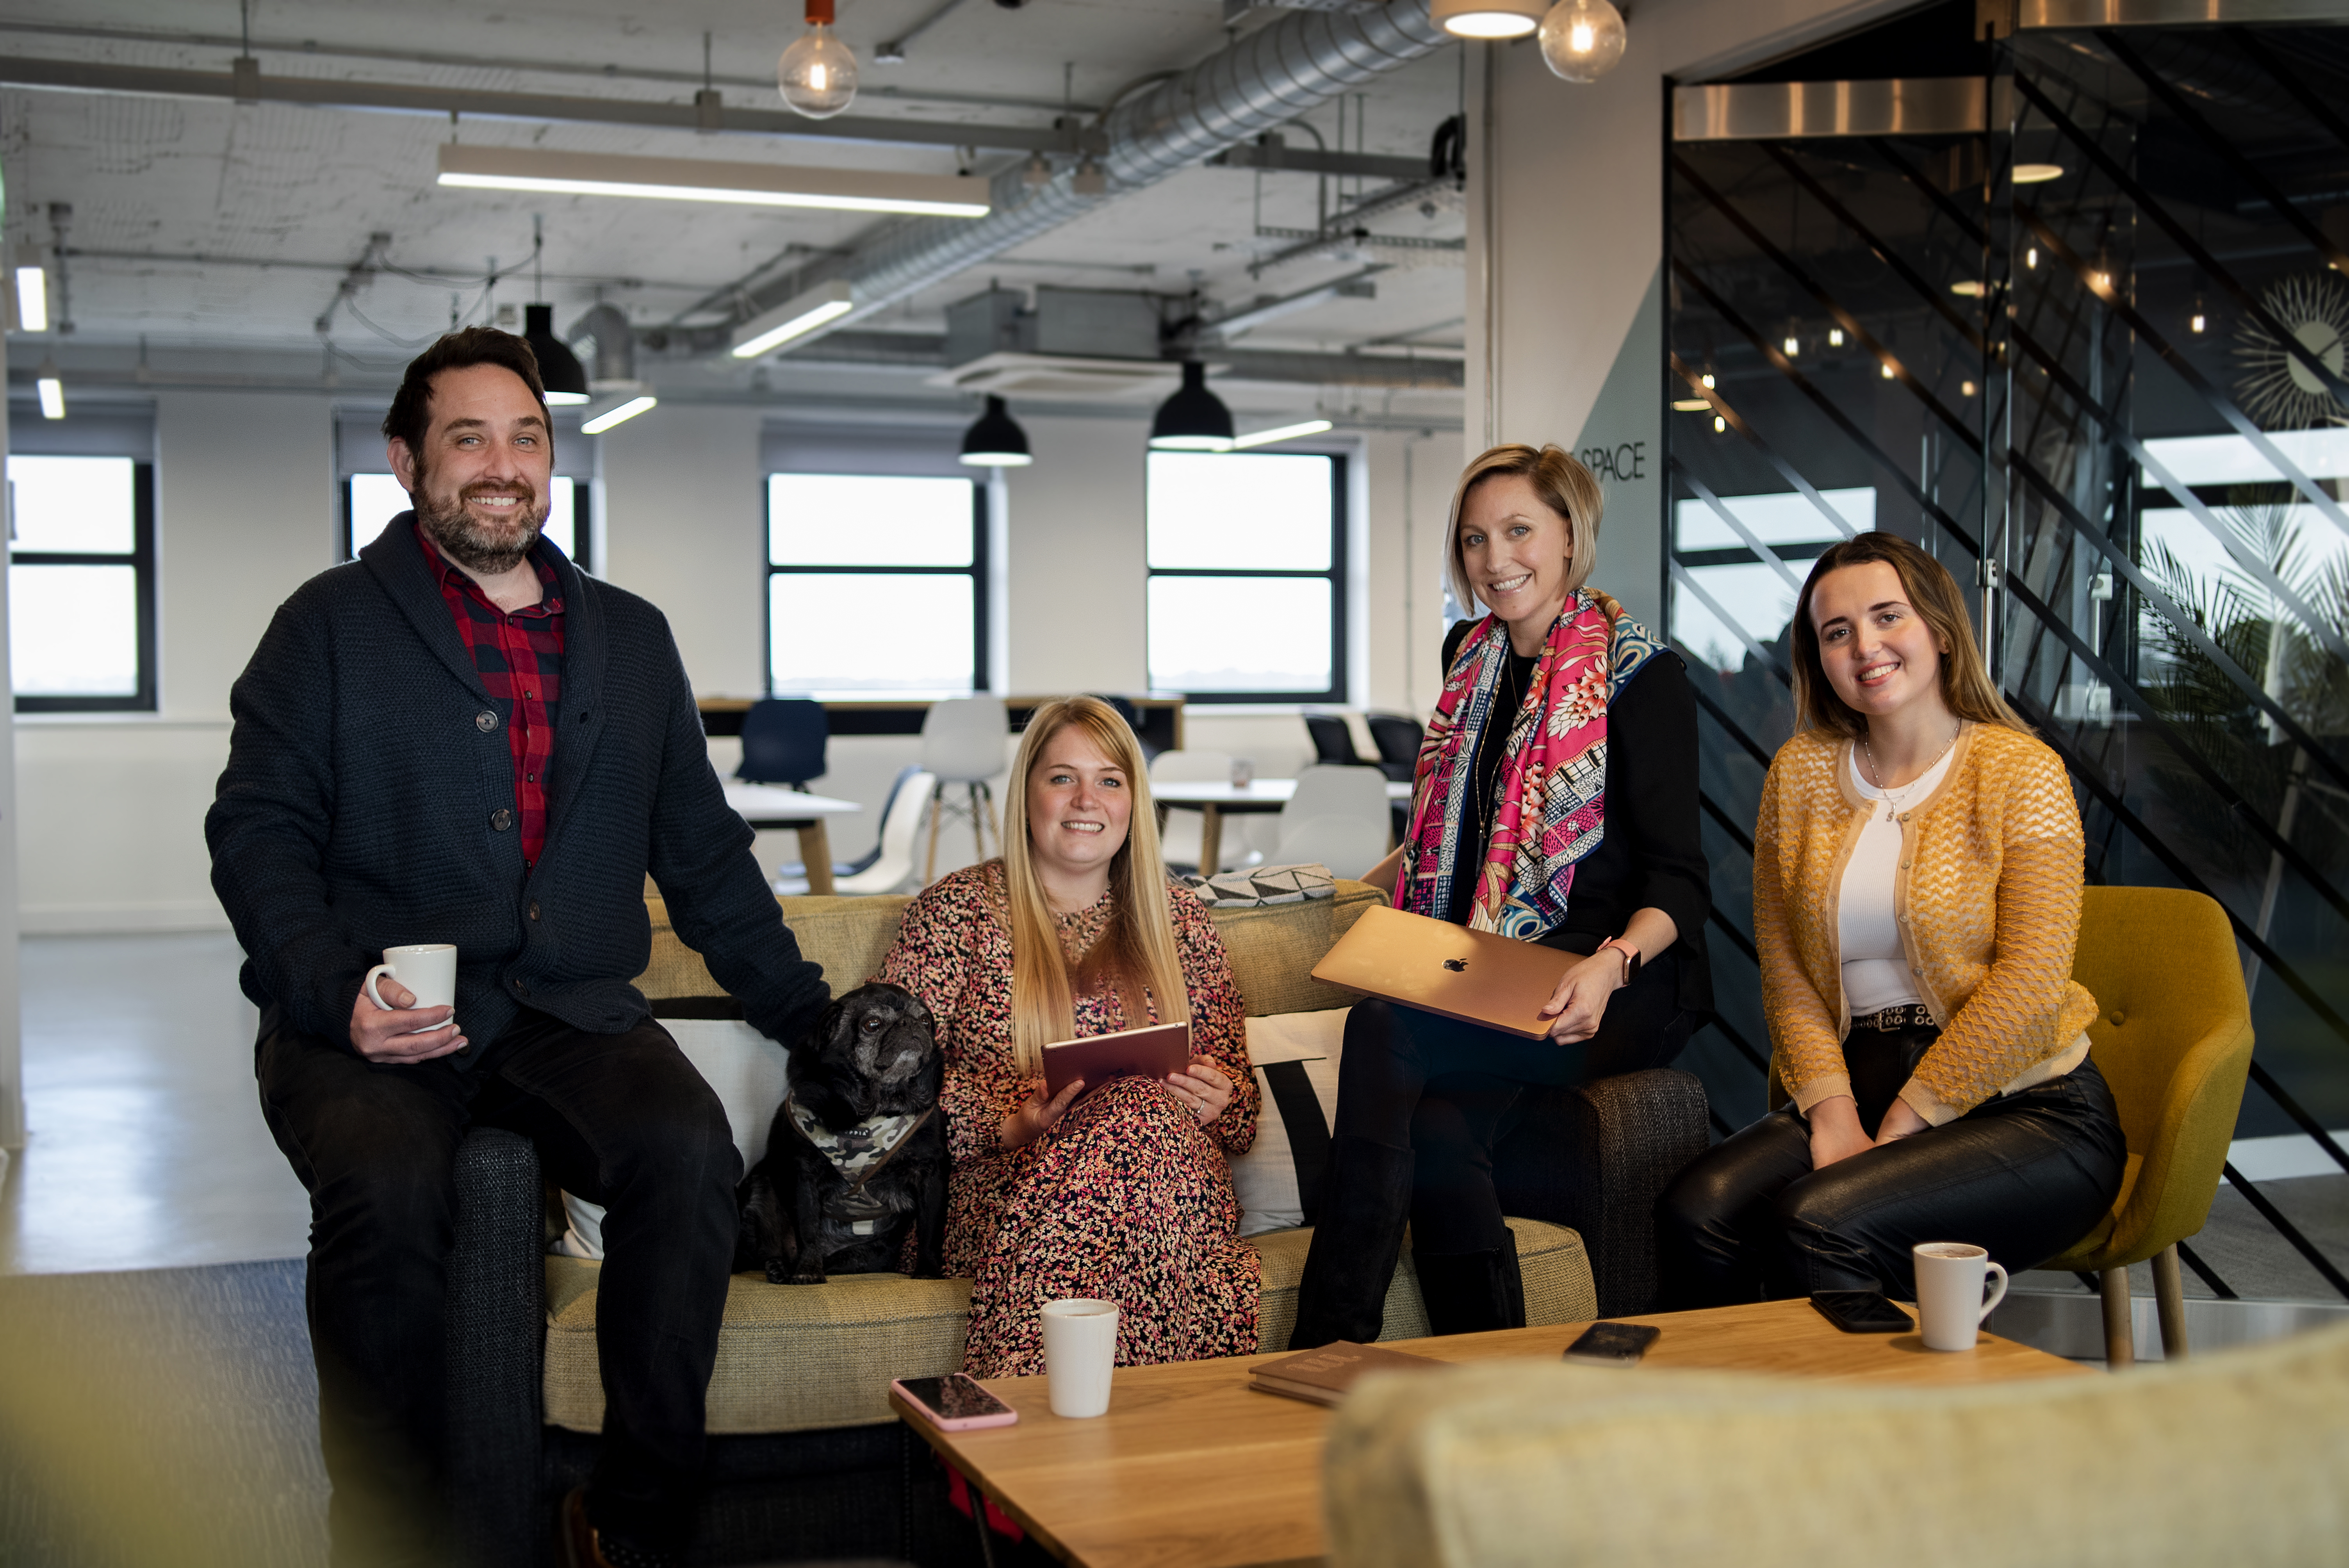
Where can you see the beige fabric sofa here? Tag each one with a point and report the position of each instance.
(2236, 1457)
(798, 1357)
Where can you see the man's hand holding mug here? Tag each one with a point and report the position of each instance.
(401, 1024)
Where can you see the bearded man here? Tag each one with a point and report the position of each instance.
(459, 738)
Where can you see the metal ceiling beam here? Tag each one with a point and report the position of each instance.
(1271, 152)
(399, 97)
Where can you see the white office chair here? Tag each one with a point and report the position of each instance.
(962, 743)
(1349, 846)
(890, 867)
(1326, 799)
(1179, 839)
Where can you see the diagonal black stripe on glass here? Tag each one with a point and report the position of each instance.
(2290, 1231)
(1842, 421)
(1762, 655)
(1753, 542)
(2251, 303)
(1793, 269)
(1883, 251)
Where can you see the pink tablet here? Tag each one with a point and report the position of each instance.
(1152, 1053)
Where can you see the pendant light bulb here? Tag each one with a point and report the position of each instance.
(817, 74)
(1581, 40)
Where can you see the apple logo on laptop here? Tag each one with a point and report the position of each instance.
(1455, 964)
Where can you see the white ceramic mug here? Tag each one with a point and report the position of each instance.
(1950, 1304)
(1080, 1349)
(428, 970)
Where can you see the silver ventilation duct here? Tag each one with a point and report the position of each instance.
(1258, 84)
(616, 342)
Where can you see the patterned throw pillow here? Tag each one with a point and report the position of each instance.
(1264, 884)
(1294, 1055)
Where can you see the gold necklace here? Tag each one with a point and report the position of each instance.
(1893, 802)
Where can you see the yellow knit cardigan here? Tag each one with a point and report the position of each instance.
(1989, 916)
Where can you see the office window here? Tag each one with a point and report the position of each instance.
(81, 585)
(1729, 598)
(1248, 558)
(370, 500)
(852, 560)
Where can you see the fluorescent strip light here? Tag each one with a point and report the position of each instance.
(32, 298)
(1281, 433)
(566, 399)
(696, 179)
(619, 415)
(53, 396)
(792, 319)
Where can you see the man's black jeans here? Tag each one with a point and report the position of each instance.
(621, 1119)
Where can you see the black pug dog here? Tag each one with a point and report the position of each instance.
(857, 1148)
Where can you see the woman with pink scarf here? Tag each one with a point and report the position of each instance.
(1555, 803)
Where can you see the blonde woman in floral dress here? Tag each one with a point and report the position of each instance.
(1122, 1191)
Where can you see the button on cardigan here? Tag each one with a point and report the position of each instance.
(365, 805)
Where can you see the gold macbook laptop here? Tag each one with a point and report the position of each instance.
(1475, 977)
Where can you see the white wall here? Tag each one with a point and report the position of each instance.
(685, 514)
(111, 808)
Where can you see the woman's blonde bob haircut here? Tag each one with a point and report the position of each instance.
(1564, 485)
(1136, 951)
(1933, 593)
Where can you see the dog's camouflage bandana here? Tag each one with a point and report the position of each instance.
(858, 1153)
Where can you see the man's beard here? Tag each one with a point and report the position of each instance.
(488, 548)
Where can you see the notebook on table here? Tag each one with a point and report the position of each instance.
(1325, 1376)
(1474, 976)
(1151, 1052)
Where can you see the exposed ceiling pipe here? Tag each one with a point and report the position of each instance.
(1262, 81)
(616, 342)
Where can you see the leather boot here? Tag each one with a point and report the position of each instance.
(1357, 1242)
(1472, 1293)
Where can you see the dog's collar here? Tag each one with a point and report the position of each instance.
(858, 1152)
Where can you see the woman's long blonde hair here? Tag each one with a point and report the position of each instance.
(1137, 949)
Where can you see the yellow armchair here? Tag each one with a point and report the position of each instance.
(2173, 1037)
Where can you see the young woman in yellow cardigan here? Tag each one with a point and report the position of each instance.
(1917, 869)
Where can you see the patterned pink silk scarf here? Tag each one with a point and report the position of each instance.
(1548, 807)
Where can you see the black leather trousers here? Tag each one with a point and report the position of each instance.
(2022, 1176)
(1445, 1090)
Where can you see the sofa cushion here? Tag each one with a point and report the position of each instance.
(1273, 947)
(794, 1357)
(1296, 1058)
(2234, 1457)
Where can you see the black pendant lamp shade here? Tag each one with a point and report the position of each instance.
(995, 440)
(559, 370)
(1195, 419)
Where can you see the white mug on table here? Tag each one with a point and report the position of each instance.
(1950, 1304)
(428, 970)
(1080, 1349)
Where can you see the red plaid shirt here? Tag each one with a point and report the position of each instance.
(518, 657)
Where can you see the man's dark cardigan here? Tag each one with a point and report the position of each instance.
(368, 773)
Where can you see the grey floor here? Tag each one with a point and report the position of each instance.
(145, 1147)
(146, 1150)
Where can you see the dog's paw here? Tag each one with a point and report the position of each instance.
(806, 1276)
(778, 1272)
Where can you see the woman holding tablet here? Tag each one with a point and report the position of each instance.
(1555, 803)
(1917, 871)
(1120, 1194)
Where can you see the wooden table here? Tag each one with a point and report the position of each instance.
(774, 806)
(1214, 800)
(1193, 1467)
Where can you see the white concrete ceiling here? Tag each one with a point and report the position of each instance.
(279, 198)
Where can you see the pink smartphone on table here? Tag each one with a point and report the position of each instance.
(955, 1403)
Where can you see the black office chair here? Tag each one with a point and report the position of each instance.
(1397, 736)
(1332, 742)
(784, 742)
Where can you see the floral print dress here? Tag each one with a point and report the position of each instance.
(1129, 1199)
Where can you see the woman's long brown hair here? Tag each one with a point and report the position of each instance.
(1966, 685)
(1138, 948)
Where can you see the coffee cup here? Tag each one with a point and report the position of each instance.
(1243, 772)
(428, 970)
(1079, 1348)
(1951, 1308)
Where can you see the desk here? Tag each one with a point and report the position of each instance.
(1214, 800)
(1099, 1493)
(774, 806)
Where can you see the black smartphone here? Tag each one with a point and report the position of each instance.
(1861, 1311)
(1618, 1344)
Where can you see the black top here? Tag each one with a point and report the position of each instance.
(368, 802)
(1651, 856)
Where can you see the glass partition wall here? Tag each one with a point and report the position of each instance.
(2077, 325)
